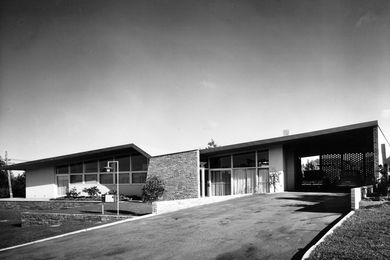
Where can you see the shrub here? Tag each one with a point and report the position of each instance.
(153, 189)
(92, 191)
(72, 193)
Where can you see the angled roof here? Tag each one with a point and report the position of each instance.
(288, 138)
(82, 155)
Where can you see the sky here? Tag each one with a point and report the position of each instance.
(170, 75)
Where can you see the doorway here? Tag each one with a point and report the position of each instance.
(62, 185)
(220, 182)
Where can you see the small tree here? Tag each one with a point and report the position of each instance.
(211, 144)
(274, 178)
(92, 191)
(153, 189)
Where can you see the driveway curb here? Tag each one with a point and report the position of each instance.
(330, 231)
(77, 232)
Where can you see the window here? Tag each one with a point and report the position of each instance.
(244, 160)
(124, 163)
(91, 166)
(90, 178)
(76, 168)
(220, 162)
(103, 164)
(262, 159)
(106, 178)
(76, 178)
(139, 163)
(62, 169)
(139, 177)
(124, 178)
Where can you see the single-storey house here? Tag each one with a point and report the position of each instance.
(339, 157)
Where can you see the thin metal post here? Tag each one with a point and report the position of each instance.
(11, 195)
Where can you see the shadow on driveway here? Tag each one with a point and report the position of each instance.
(327, 203)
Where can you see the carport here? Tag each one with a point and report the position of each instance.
(345, 157)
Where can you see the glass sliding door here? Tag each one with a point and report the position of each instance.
(62, 185)
(243, 181)
(220, 182)
(262, 180)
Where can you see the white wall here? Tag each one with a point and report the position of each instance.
(276, 164)
(41, 183)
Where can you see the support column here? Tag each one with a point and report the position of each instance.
(202, 172)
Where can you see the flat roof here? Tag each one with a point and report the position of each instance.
(288, 138)
(81, 155)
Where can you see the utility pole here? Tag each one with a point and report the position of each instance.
(11, 195)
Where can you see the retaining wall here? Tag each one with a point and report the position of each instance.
(50, 219)
(358, 193)
(160, 207)
(44, 205)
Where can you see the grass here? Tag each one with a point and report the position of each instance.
(365, 235)
(12, 233)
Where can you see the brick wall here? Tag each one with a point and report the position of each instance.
(376, 152)
(180, 173)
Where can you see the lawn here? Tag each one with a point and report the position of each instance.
(365, 235)
(12, 233)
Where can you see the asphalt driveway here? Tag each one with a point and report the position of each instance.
(272, 226)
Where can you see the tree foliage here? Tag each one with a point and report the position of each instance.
(211, 144)
(18, 183)
(153, 189)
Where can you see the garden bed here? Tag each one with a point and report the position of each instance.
(365, 235)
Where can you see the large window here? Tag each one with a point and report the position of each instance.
(132, 169)
(124, 163)
(103, 165)
(91, 166)
(262, 159)
(76, 168)
(90, 178)
(139, 163)
(107, 178)
(124, 178)
(63, 169)
(244, 160)
(220, 162)
(139, 177)
(76, 178)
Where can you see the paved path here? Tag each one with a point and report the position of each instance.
(273, 226)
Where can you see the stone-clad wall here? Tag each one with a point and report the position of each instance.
(44, 205)
(180, 173)
(49, 219)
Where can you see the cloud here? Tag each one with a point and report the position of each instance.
(365, 19)
(208, 84)
(386, 113)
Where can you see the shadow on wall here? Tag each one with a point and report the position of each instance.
(322, 203)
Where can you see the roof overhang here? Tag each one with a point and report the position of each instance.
(287, 139)
(52, 161)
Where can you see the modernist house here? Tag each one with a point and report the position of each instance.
(344, 156)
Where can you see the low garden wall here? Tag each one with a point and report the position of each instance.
(357, 194)
(50, 219)
(160, 207)
(44, 205)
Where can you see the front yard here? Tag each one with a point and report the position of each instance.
(365, 235)
(12, 233)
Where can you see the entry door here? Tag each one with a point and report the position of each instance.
(262, 180)
(220, 183)
(62, 185)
